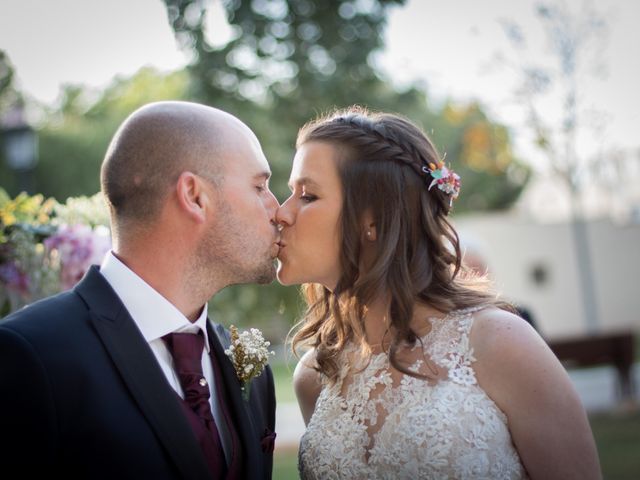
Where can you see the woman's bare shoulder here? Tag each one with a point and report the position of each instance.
(513, 362)
(497, 333)
(307, 384)
(306, 367)
(519, 372)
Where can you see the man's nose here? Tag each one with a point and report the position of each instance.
(272, 204)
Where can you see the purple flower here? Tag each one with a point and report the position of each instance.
(14, 278)
(78, 247)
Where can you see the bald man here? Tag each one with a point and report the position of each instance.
(91, 385)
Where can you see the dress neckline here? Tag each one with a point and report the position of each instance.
(449, 316)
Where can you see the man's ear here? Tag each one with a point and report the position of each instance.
(369, 227)
(193, 197)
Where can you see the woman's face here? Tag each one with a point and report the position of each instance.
(310, 217)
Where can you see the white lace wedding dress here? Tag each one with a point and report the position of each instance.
(377, 423)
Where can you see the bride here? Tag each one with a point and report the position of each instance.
(414, 369)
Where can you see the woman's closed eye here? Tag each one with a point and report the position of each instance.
(308, 197)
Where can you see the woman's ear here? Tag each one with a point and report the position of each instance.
(369, 227)
(371, 233)
(192, 197)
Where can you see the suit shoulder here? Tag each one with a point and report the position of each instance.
(47, 317)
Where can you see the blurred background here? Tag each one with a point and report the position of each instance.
(534, 103)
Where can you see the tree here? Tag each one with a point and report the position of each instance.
(293, 59)
(75, 135)
(293, 50)
(576, 40)
(7, 92)
(492, 177)
(10, 97)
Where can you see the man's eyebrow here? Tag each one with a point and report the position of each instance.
(266, 175)
(306, 181)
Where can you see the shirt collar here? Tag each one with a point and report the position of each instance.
(154, 315)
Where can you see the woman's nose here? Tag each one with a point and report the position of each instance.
(284, 214)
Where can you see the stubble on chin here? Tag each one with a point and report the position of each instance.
(265, 274)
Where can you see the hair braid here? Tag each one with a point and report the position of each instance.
(376, 133)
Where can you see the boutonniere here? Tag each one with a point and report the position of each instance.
(249, 354)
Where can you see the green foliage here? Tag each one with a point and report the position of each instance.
(24, 268)
(294, 59)
(39, 239)
(70, 157)
(7, 92)
(293, 50)
(480, 150)
(9, 96)
(30, 210)
(272, 308)
(288, 60)
(75, 136)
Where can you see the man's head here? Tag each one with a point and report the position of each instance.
(195, 178)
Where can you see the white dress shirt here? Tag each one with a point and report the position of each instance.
(156, 316)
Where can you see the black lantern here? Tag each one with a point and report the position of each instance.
(20, 144)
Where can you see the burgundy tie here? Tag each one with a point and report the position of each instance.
(186, 349)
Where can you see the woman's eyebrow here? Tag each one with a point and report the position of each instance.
(305, 181)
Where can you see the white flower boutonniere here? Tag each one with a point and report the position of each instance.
(249, 354)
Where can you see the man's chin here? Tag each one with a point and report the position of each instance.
(267, 275)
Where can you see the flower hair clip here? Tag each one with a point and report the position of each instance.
(446, 179)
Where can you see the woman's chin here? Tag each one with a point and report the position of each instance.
(282, 275)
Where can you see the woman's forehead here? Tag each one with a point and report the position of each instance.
(314, 163)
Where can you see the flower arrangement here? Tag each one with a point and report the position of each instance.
(444, 178)
(46, 246)
(249, 353)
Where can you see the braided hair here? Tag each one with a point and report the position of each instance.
(380, 161)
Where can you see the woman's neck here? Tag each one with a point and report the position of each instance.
(377, 325)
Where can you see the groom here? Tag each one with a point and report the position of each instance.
(93, 382)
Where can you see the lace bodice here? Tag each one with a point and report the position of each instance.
(377, 423)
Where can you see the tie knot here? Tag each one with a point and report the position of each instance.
(186, 350)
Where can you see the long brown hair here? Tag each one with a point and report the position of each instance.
(417, 253)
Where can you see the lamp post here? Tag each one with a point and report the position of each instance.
(20, 144)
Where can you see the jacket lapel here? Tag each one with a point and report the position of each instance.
(141, 373)
(239, 408)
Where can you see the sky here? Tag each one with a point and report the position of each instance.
(450, 47)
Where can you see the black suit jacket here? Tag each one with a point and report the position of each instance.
(82, 396)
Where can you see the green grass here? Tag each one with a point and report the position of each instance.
(617, 436)
(618, 439)
(285, 464)
(285, 461)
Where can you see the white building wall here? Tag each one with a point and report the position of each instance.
(514, 246)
